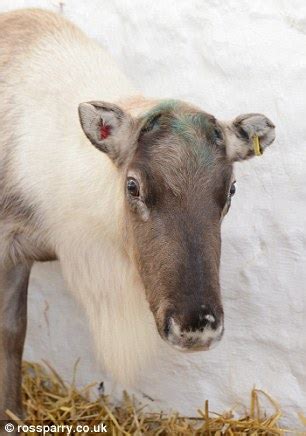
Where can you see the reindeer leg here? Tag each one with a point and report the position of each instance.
(13, 320)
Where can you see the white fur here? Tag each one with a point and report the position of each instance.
(79, 192)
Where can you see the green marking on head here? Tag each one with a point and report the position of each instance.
(196, 123)
(163, 106)
(205, 155)
(189, 126)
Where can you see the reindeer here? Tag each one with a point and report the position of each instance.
(128, 194)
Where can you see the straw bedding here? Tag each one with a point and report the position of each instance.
(48, 400)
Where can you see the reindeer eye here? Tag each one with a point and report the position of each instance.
(232, 189)
(133, 187)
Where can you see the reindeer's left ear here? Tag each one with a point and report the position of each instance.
(248, 135)
(108, 128)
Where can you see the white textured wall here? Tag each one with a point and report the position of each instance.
(228, 57)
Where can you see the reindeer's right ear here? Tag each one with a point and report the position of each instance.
(107, 127)
(246, 133)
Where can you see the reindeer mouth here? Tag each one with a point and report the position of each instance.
(192, 340)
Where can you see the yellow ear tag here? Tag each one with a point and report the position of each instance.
(256, 146)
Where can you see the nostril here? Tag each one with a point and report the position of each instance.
(167, 326)
(183, 324)
(208, 318)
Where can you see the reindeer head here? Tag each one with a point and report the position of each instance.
(176, 162)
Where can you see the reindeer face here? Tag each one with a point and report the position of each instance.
(177, 162)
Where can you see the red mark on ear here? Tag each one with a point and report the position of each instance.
(104, 131)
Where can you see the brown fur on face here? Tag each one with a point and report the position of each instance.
(184, 179)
